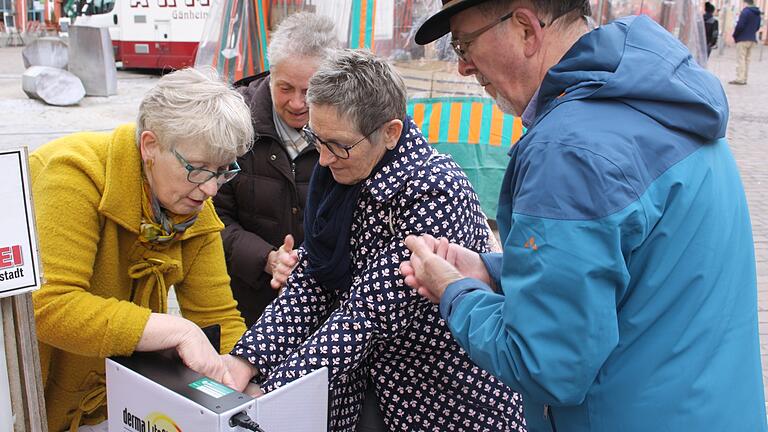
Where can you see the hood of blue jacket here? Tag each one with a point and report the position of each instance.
(752, 9)
(638, 62)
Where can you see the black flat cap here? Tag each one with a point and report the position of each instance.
(439, 24)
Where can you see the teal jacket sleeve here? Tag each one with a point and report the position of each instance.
(492, 261)
(455, 291)
(555, 323)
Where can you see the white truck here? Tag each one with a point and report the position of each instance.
(149, 34)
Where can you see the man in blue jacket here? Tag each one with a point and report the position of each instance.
(745, 35)
(625, 298)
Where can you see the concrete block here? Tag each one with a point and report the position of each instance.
(91, 58)
(46, 51)
(52, 85)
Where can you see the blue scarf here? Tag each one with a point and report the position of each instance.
(328, 222)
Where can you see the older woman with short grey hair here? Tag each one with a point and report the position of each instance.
(121, 217)
(345, 305)
(264, 207)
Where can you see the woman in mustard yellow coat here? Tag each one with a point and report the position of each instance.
(121, 217)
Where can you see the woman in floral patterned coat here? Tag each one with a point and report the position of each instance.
(345, 305)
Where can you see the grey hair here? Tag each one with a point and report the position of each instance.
(303, 34)
(550, 10)
(363, 88)
(197, 104)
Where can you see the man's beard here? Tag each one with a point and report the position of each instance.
(505, 105)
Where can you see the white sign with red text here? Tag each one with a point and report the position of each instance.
(19, 262)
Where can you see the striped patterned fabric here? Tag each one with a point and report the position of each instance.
(476, 134)
(362, 24)
(466, 120)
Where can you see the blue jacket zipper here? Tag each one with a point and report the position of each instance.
(549, 415)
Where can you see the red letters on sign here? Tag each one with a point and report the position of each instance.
(17, 259)
(10, 256)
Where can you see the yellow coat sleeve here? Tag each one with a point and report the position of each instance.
(68, 315)
(205, 297)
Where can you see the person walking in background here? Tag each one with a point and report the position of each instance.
(265, 203)
(626, 295)
(711, 26)
(745, 35)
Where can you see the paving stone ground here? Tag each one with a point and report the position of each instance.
(28, 122)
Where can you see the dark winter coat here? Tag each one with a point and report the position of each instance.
(711, 29)
(262, 204)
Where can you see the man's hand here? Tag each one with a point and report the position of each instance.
(428, 271)
(467, 262)
(282, 262)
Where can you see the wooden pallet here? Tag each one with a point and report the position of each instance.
(23, 361)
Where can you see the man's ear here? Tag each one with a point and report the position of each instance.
(532, 30)
(148, 145)
(392, 131)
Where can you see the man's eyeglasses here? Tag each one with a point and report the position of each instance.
(201, 175)
(461, 45)
(339, 150)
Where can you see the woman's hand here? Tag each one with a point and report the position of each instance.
(283, 260)
(253, 390)
(241, 372)
(165, 331)
(198, 354)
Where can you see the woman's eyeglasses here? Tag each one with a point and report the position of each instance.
(339, 150)
(201, 175)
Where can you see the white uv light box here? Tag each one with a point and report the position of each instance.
(155, 392)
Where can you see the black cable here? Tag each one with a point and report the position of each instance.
(244, 421)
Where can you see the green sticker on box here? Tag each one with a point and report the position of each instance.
(211, 387)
